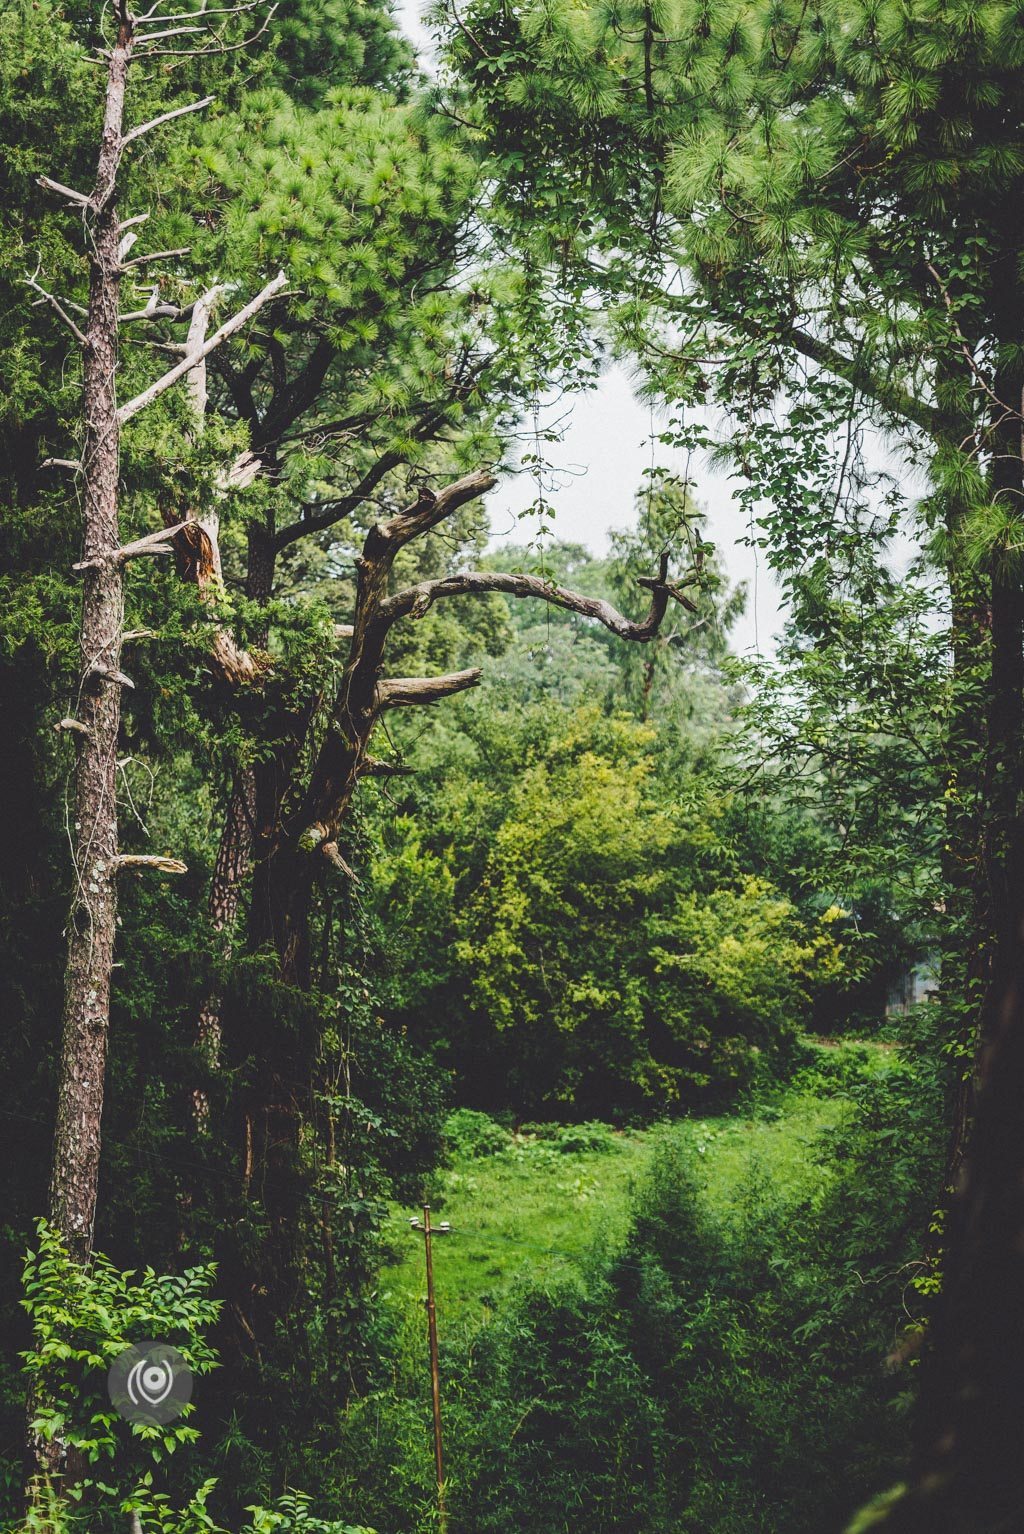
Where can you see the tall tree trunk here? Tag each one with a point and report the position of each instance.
(968, 1473)
(967, 950)
(230, 871)
(97, 861)
(266, 1285)
(93, 918)
(260, 1282)
(199, 553)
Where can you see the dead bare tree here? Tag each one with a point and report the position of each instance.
(198, 548)
(300, 817)
(94, 727)
(291, 851)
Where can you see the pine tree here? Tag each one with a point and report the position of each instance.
(836, 186)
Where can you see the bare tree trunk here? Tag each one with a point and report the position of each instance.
(230, 871)
(235, 849)
(92, 921)
(93, 918)
(199, 552)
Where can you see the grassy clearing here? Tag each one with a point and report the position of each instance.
(535, 1212)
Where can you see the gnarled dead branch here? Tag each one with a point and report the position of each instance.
(414, 601)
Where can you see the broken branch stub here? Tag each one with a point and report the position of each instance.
(406, 691)
(142, 861)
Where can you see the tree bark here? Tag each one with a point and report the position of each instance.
(93, 917)
(230, 871)
(200, 561)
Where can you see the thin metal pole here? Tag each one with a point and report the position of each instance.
(435, 1372)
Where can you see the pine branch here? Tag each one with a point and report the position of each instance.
(333, 856)
(328, 513)
(58, 308)
(335, 511)
(166, 117)
(156, 255)
(161, 37)
(373, 767)
(79, 198)
(885, 393)
(432, 508)
(153, 545)
(201, 14)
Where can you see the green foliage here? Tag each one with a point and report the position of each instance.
(535, 1212)
(82, 1318)
(713, 1362)
(321, 44)
(291, 1514)
(596, 899)
(744, 964)
(308, 159)
(850, 720)
(471, 1134)
(831, 182)
(592, 1138)
(831, 1068)
(607, 946)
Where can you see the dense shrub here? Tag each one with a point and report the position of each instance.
(469, 1133)
(593, 1137)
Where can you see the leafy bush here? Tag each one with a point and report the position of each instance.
(292, 1514)
(82, 1319)
(593, 1137)
(470, 1134)
(604, 951)
(837, 1068)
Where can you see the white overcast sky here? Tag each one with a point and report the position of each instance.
(605, 450)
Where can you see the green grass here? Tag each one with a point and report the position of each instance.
(533, 1212)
